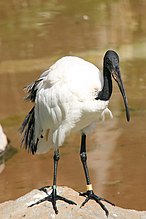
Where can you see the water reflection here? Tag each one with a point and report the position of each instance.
(36, 33)
(41, 28)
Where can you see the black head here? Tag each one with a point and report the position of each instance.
(111, 64)
(111, 60)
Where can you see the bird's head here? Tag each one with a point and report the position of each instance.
(111, 63)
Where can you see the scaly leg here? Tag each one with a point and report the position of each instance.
(53, 197)
(89, 194)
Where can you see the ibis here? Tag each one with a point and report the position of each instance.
(70, 97)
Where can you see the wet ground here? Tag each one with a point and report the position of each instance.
(35, 34)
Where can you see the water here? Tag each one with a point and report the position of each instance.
(35, 34)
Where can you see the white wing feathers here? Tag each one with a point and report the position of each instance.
(64, 99)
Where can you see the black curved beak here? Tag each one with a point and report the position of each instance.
(117, 76)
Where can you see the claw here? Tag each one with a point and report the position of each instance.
(90, 195)
(86, 200)
(83, 194)
(53, 197)
(66, 200)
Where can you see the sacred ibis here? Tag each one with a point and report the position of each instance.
(69, 97)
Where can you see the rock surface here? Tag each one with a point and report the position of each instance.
(19, 208)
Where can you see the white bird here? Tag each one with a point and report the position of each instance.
(70, 97)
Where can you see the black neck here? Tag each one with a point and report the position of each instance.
(106, 91)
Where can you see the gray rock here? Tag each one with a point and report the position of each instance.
(19, 208)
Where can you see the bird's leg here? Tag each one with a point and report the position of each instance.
(89, 194)
(53, 197)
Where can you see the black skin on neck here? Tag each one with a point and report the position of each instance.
(106, 91)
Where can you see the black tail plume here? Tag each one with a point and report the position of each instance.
(27, 128)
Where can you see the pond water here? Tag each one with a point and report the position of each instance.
(36, 33)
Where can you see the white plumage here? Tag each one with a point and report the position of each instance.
(65, 101)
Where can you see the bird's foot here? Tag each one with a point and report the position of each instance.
(53, 197)
(90, 195)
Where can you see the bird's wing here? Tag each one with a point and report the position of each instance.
(61, 94)
(33, 87)
(82, 76)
